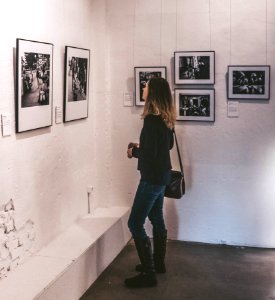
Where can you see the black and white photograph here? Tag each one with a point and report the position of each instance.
(142, 75)
(76, 81)
(248, 82)
(195, 105)
(194, 67)
(33, 84)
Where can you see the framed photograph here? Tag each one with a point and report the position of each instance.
(34, 65)
(195, 104)
(142, 75)
(76, 83)
(194, 67)
(248, 82)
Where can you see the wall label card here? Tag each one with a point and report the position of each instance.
(233, 109)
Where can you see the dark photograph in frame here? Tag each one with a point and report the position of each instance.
(142, 75)
(195, 104)
(194, 67)
(248, 82)
(34, 65)
(76, 83)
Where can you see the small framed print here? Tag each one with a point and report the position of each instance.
(194, 67)
(248, 82)
(142, 75)
(34, 69)
(195, 104)
(76, 83)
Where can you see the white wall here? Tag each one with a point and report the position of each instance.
(229, 165)
(46, 171)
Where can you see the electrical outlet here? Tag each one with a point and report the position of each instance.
(89, 189)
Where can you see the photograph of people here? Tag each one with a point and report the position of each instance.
(77, 79)
(35, 78)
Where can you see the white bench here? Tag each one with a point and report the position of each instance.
(66, 267)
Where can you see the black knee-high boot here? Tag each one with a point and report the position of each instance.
(159, 253)
(147, 277)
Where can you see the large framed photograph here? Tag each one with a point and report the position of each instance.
(34, 65)
(142, 75)
(194, 67)
(195, 104)
(248, 82)
(76, 83)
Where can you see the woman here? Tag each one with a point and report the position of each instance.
(154, 164)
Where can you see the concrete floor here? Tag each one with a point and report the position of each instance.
(194, 272)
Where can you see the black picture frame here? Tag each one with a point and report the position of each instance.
(34, 78)
(142, 75)
(248, 82)
(194, 67)
(195, 104)
(76, 83)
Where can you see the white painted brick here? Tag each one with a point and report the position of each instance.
(32, 235)
(11, 235)
(29, 225)
(22, 236)
(4, 252)
(14, 264)
(3, 273)
(3, 217)
(15, 245)
(27, 244)
(9, 226)
(12, 244)
(2, 230)
(16, 253)
(3, 238)
(9, 206)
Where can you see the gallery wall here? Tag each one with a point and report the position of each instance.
(229, 164)
(46, 171)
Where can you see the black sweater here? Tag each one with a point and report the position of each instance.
(153, 153)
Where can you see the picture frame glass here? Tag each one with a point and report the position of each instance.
(195, 105)
(34, 69)
(194, 67)
(142, 76)
(248, 82)
(76, 83)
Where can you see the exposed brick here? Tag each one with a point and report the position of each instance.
(3, 238)
(4, 252)
(15, 245)
(14, 263)
(3, 272)
(2, 230)
(9, 226)
(3, 217)
(12, 244)
(9, 206)
(16, 253)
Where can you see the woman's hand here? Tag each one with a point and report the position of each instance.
(129, 152)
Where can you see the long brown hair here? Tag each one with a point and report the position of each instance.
(159, 101)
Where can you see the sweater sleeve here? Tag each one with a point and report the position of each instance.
(135, 152)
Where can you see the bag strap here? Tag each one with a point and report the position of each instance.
(181, 167)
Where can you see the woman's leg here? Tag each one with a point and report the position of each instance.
(159, 234)
(156, 216)
(145, 198)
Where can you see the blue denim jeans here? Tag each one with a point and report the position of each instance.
(148, 202)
